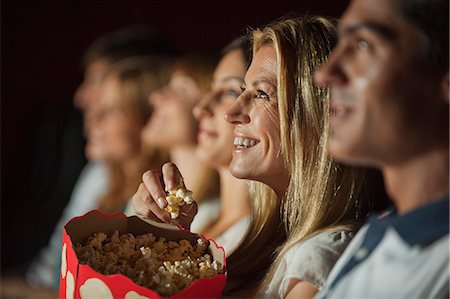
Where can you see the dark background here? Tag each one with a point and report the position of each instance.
(41, 46)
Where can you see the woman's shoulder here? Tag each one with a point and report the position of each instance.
(312, 259)
(208, 211)
(328, 242)
(210, 203)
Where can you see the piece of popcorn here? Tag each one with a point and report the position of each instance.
(146, 251)
(176, 199)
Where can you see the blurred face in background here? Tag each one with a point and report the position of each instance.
(215, 136)
(87, 93)
(172, 123)
(385, 99)
(114, 135)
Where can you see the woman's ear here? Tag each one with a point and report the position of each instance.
(445, 87)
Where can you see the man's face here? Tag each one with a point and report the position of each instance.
(386, 103)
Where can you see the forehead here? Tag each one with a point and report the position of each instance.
(383, 18)
(232, 64)
(264, 65)
(97, 67)
(379, 16)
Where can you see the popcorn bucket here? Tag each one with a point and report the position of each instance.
(81, 281)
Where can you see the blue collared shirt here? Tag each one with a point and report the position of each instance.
(396, 256)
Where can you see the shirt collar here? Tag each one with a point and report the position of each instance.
(421, 226)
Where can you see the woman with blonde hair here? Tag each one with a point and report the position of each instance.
(304, 206)
(295, 182)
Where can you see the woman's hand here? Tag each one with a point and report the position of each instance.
(150, 199)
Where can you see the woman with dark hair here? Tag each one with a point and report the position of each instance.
(226, 218)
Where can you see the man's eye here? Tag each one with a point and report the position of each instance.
(262, 95)
(363, 45)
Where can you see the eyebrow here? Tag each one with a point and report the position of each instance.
(265, 81)
(232, 78)
(377, 28)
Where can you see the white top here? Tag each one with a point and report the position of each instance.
(208, 212)
(310, 260)
(90, 186)
(232, 237)
(400, 257)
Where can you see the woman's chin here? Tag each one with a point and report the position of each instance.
(238, 171)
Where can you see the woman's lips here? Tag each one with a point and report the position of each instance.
(157, 119)
(202, 134)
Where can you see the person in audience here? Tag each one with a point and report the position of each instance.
(304, 206)
(114, 139)
(57, 141)
(118, 119)
(389, 81)
(215, 144)
(174, 128)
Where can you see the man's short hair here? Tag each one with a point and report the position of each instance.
(431, 17)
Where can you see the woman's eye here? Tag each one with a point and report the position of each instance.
(232, 93)
(262, 95)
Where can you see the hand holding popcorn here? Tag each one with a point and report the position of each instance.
(152, 202)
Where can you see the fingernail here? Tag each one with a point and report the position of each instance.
(161, 202)
(170, 185)
(166, 217)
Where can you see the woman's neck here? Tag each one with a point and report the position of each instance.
(233, 203)
(132, 168)
(233, 196)
(418, 182)
(189, 166)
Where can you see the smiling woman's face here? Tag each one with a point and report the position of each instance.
(114, 135)
(172, 123)
(256, 154)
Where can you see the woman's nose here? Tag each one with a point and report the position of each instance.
(238, 114)
(203, 108)
(155, 98)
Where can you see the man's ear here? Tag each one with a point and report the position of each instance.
(445, 88)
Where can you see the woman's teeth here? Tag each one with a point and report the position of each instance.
(244, 142)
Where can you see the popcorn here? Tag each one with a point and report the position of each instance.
(176, 199)
(166, 267)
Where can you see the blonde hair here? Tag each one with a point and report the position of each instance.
(136, 78)
(321, 195)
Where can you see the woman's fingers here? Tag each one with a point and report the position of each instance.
(146, 207)
(150, 199)
(186, 215)
(172, 177)
(152, 180)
